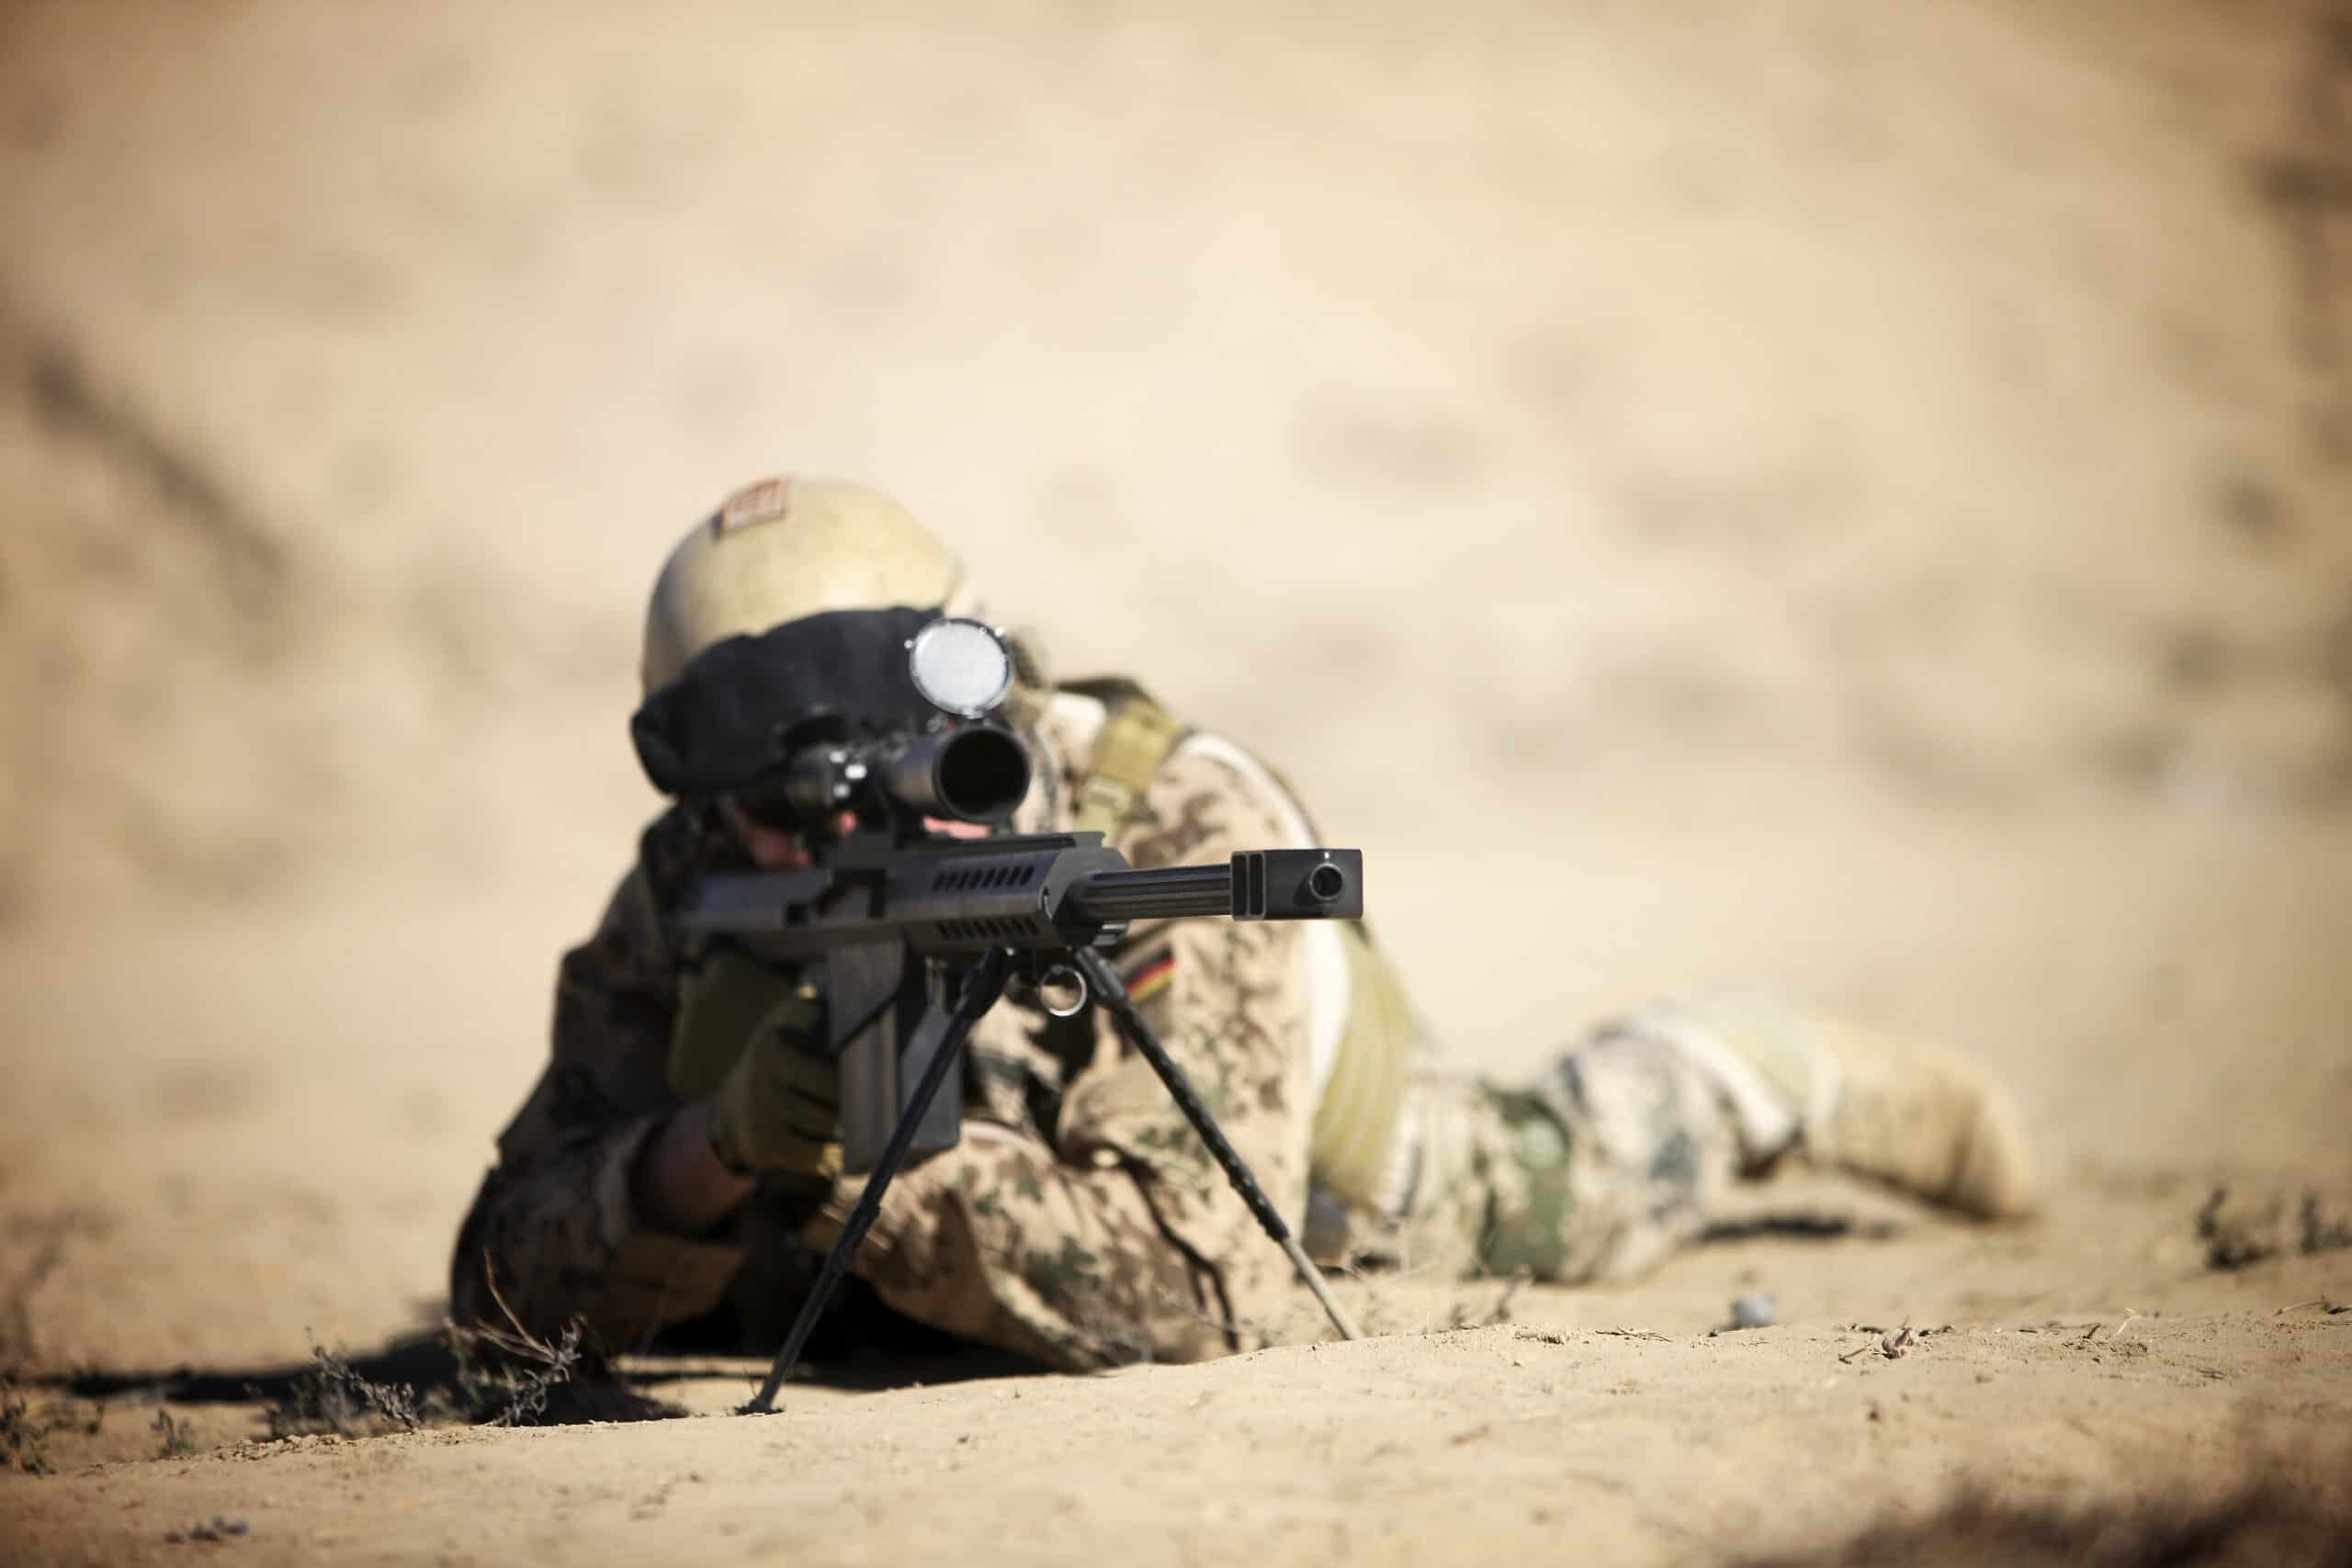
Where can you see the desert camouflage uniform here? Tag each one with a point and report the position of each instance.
(1080, 1220)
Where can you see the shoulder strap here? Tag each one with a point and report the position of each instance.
(1135, 740)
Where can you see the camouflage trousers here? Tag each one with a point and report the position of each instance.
(1613, 1159)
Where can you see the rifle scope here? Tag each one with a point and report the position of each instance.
(971, 773)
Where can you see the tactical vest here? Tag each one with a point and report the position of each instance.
(1362, 1097)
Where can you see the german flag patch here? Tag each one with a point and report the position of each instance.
(1149, 974)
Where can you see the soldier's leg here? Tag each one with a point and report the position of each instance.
(1598, 1170)
(1614, 1155)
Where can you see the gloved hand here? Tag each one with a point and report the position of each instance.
(751, 1039)
(779, 1112)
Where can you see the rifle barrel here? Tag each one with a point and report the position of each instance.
(1161, 893)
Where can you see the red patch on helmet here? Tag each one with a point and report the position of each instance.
(763, 501)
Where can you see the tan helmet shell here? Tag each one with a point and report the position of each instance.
(783, 548)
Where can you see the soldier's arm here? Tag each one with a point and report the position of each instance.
(1244, 1007)
(562, 1226)
(1119, 1240)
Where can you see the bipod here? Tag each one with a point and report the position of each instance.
(982, 985)
(1140, 1033)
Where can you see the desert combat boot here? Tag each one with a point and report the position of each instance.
(1926, 1124)
(1849, 1098)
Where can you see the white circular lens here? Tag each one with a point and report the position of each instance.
(960, 665)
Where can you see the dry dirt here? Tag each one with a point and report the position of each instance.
(1852, 496)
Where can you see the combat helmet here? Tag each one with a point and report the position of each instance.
(783, 548)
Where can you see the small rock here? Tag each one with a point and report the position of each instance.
(1752, 1311)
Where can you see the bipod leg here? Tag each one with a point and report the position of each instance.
(981, 989)
(1112, 994)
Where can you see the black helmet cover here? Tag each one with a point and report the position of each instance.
(741, 706)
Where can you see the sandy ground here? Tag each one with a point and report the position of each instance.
(1848, 497)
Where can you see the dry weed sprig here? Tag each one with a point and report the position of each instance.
(172, 1437)
(334, 1397)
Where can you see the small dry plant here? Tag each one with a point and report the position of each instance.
(333, 1397)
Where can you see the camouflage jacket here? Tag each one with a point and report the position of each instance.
(1080, 1220)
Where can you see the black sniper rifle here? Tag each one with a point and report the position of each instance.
(919, 933)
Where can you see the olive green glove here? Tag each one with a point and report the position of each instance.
(751, 1039)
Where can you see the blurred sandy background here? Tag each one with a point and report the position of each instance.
(1849, 495)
